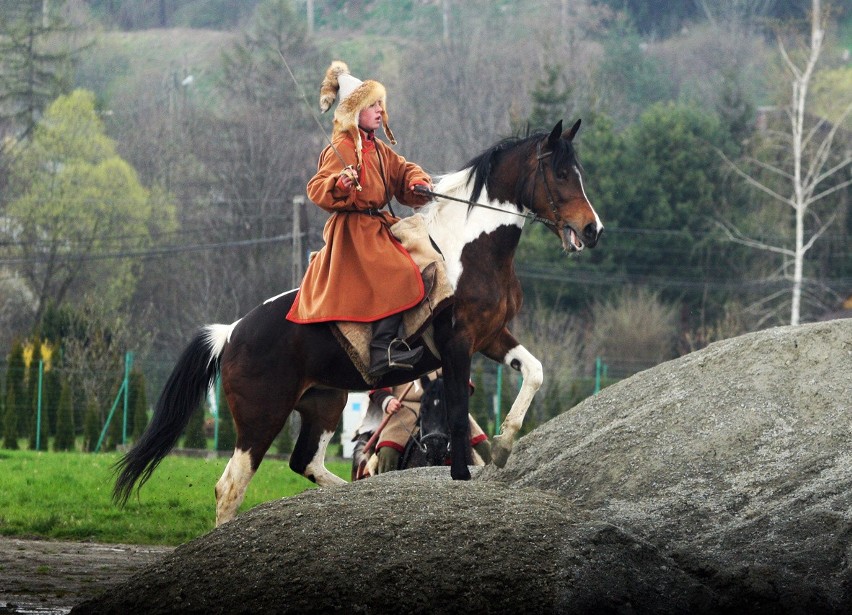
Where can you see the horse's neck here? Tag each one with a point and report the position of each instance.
(454, 230)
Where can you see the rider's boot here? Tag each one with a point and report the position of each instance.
(388, 458)
(387, 350)
(483, 449)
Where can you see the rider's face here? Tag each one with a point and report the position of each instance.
(370, 117)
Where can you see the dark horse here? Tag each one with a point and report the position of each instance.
(429, 445)
(270, 366)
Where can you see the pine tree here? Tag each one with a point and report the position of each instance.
(194, 432)
(227, 432)
(138, 404)
(91, 428)
(16, 399)
(37, 61)
(64, 440)
(10, 421)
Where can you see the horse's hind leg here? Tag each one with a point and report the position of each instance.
(257, 423)
(320, 410)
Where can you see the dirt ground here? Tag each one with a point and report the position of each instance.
(42, 576)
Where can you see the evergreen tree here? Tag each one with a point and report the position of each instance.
(227, 432)
(37, 56)
(50, 401)
(194, 432)
(10, 421)
(16, 398)
(64, 440)
(91, 428)
(480, 404)
(138, 404)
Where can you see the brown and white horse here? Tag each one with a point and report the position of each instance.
(270, 366)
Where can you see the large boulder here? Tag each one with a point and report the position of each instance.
(719, 482)
(736, 461)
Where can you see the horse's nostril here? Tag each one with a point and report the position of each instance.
(591, 234)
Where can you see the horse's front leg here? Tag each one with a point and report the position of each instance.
(506, 349)
(456, 374)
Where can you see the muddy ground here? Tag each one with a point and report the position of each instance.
(42, 576)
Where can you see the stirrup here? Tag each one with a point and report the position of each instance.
(397, 364)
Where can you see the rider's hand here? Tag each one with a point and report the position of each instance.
(418, 199)
(393, 406)
(346, 179)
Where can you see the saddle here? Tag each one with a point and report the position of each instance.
(354, 337)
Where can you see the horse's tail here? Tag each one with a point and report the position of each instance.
(191, 378)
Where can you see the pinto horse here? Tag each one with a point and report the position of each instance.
(270, 366)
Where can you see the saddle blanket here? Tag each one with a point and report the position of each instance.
(355, 337)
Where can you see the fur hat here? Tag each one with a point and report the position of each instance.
(355, 96)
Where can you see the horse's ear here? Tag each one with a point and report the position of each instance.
(555, 134)
(569, 134)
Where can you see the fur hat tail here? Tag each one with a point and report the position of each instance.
(331, 84)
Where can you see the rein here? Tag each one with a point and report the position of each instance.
(530, 215)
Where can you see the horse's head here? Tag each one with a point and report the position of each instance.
(558, 193)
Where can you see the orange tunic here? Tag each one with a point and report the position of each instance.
(362, 273)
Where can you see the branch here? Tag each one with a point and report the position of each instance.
(771, 168)
(736, 236)
(827, 192)
(819, 233)
(753, 181)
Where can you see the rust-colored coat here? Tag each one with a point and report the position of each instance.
(362, 273)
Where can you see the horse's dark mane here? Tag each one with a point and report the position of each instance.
(481, 165)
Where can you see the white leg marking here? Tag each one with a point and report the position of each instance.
(231, 488)
(533, 375)
(316, 467)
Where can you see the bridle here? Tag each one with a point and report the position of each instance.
(530, 214)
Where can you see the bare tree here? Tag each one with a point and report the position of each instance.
(810, 173)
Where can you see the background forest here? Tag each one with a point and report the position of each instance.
(155, 153)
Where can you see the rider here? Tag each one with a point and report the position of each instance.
(362, 274)
(402, 402)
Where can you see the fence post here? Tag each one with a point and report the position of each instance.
(128, 362)
(38, 410)
(597, 375)
(122, 390)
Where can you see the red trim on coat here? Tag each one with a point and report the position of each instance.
(393, 445)
(480, 438)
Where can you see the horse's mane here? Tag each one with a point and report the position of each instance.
(479, 168)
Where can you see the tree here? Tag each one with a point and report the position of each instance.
(194, 432)
(16, 398)
(10, 422)
(64, 440)
(799, 168)
(138, 403)
(78, 209)
(37, 48)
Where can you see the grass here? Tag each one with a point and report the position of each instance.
(68, 496)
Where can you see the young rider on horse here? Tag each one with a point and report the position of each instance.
(403, 403)
(362, 274)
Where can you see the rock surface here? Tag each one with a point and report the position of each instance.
(718, 482)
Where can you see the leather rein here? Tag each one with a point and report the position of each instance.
(529, 215)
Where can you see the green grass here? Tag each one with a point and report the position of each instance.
(68, 496)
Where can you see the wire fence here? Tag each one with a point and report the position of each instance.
(495, 388)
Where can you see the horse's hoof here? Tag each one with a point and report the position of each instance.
(501, 448)
(461, 474)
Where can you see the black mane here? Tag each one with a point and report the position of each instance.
(481, 165)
